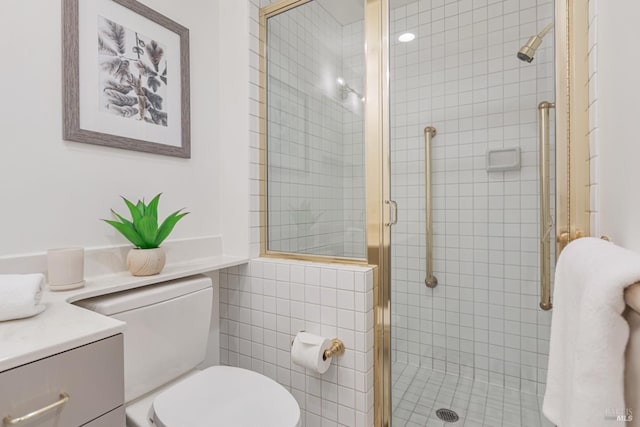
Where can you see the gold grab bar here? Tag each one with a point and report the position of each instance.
(429, 132)
(9, 420)
(546, 220)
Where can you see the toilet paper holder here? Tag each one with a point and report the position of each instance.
(337, 349)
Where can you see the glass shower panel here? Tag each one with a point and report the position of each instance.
(315, 131)
(477, 343)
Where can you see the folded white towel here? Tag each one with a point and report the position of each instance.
(20, 295)
(585, 380)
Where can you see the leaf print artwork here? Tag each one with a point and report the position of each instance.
(131, 83)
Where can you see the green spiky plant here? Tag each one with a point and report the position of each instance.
(143, 230)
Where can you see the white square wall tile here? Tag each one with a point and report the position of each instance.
(345, 280)
(261, 340)
(346, 300)
(328, 277)
(297, 273)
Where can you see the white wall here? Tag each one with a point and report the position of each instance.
(616, 119)
(54, 192)
(233, 38)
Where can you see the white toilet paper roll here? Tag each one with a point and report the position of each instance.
(307, 351)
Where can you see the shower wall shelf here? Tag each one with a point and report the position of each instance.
(504, 159)
(63, 326)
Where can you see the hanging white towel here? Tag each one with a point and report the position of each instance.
(585, 380)
(20, 295)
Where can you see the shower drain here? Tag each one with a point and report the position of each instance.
(447, 415)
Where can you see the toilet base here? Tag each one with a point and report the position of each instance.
(139, 411)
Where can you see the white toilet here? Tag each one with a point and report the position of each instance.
(166, 338)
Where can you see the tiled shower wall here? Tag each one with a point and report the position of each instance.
(265, 303)
(462, 76)
(353, 140)
(315, 134)
(305, 132)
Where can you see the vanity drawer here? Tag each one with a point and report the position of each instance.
(91, 375)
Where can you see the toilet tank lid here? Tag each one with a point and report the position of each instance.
(119, 302)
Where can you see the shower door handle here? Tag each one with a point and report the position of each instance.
(430, 280)
(394, 217)
(546, 220)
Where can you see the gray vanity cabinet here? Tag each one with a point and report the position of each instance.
(91, 376)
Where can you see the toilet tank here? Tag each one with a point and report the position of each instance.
(167, 330)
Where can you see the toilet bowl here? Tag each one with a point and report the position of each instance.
(230, 396)
(165, 339)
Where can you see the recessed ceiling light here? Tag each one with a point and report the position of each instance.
(406, 37)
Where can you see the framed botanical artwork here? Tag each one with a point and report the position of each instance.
(125, 77)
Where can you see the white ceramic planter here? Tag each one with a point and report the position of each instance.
(145, 262)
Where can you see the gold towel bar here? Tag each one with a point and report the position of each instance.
(632, 293)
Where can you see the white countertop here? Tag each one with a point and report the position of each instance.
(63, 326)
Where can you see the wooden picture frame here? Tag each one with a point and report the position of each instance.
(119, 85)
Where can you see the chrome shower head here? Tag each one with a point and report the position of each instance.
(346, 90)
(527, 52)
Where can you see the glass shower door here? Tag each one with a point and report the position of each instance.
(474, 345)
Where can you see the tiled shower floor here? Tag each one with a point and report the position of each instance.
(419, 392)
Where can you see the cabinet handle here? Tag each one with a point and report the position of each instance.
(10, 421)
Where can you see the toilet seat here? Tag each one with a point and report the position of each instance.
(226, 396)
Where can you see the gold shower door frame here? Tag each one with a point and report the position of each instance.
(572, 158)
